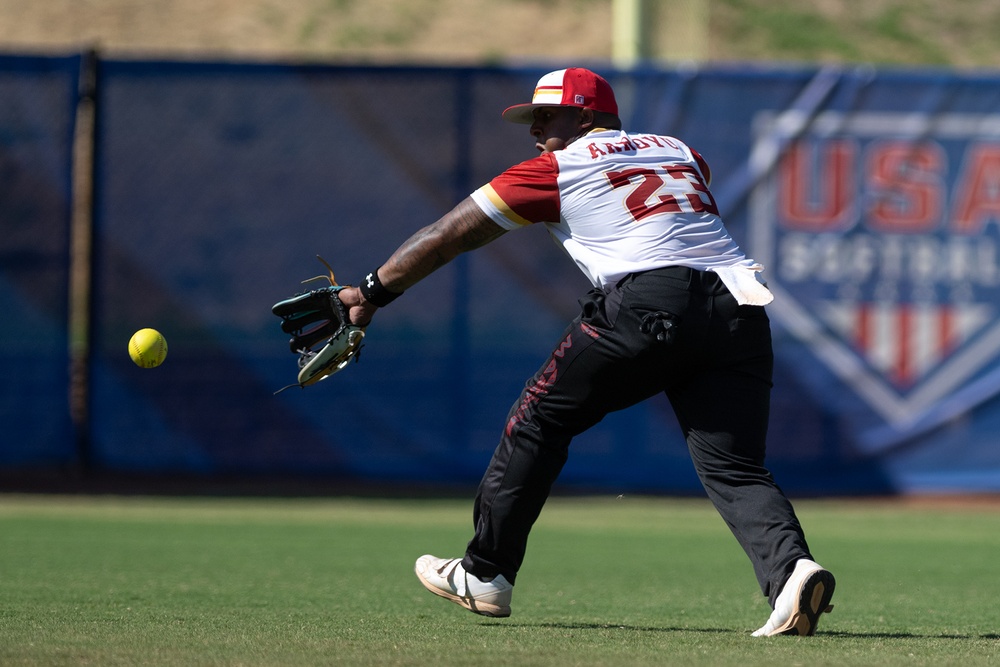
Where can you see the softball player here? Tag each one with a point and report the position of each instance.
(676, 309)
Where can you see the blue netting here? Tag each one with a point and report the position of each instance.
(36, 127)
(871, 195)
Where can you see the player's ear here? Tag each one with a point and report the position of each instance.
(586, 118)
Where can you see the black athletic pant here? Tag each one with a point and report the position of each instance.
(716, 372)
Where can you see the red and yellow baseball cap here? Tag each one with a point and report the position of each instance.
(571, 87)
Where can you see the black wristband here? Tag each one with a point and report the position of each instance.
(375, 292)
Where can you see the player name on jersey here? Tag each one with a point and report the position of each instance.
(630, 143)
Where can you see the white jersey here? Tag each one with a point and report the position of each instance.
(620, 204)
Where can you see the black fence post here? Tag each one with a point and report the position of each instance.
(81, 257)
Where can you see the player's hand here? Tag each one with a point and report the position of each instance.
(359, 311)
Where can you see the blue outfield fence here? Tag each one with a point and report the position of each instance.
(872, 196)
(38, 99)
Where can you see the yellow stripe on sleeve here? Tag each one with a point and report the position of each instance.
(502, 207)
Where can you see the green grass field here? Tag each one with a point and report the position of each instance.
(608, 581)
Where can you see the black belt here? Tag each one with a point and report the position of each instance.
(705, 280)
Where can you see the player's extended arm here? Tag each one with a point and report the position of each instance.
(464, 228)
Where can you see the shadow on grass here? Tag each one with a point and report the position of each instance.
(726, 631)
(607, 626)
(905, 635)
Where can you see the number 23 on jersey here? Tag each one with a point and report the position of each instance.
(665, 189)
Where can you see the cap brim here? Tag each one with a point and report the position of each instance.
(521, 113)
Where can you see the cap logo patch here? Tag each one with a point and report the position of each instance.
(578, 99)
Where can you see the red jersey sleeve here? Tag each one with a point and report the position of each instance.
(527, 192)
(706, 171)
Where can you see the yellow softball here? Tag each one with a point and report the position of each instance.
(148, 348)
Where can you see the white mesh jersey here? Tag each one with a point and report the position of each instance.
(622, 203)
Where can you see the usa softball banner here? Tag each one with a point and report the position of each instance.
(880, 226)
(880, 231)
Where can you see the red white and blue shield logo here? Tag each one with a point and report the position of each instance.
(880, 235)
